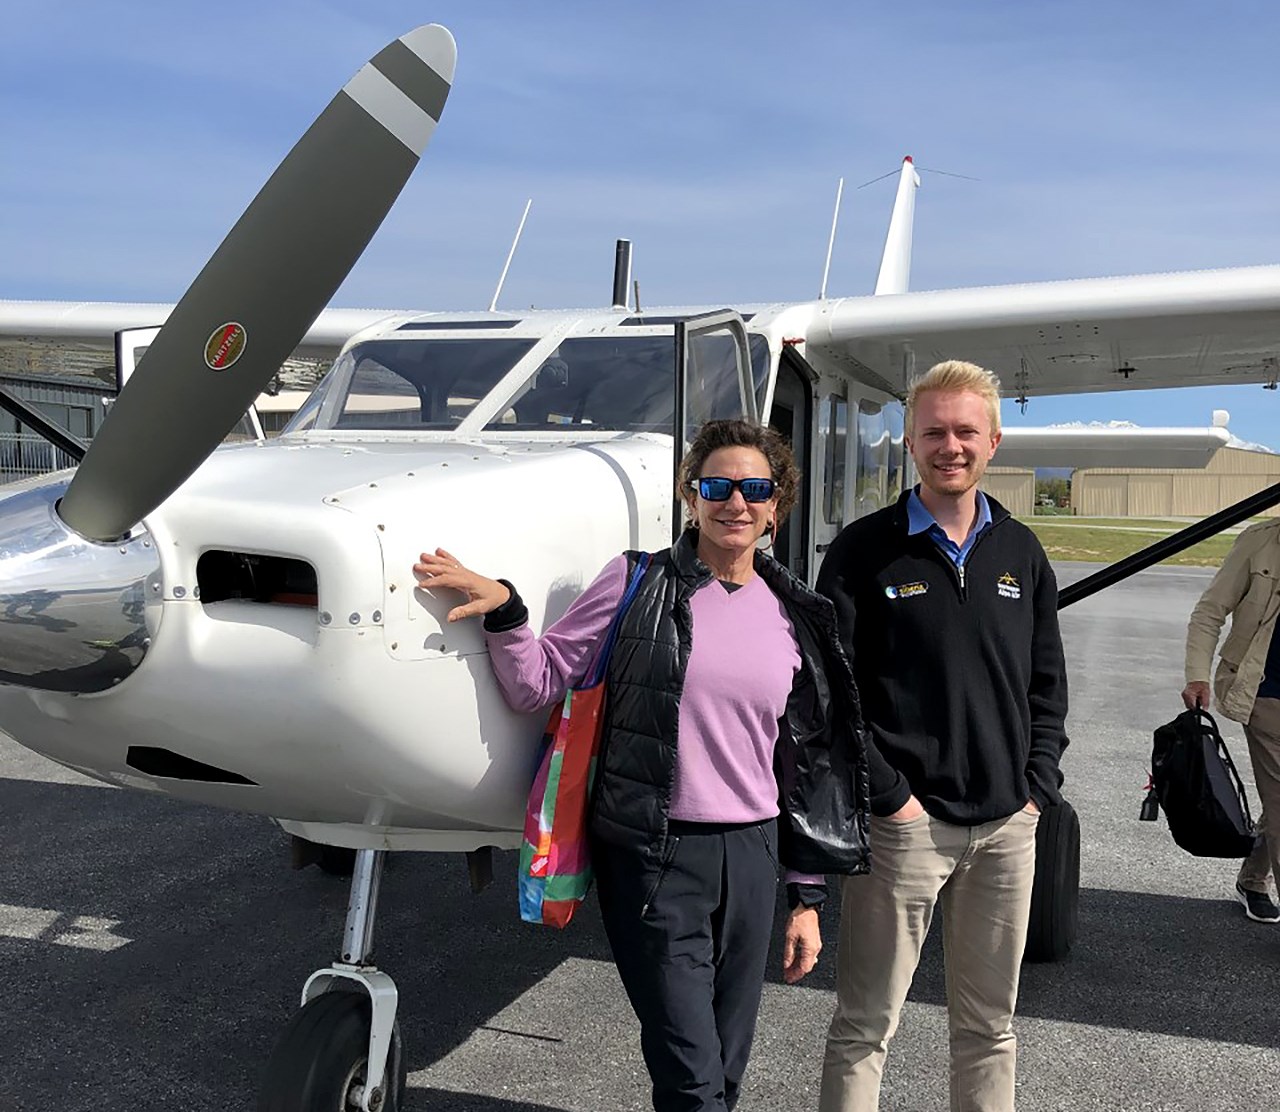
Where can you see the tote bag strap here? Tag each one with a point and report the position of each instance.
(598, 669)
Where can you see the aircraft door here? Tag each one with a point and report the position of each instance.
(713, 381)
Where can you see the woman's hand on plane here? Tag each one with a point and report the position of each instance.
(442, 569)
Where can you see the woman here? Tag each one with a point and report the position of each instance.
(732, 741)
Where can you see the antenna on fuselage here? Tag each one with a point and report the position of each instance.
(621, 273)
(510, 255)
(895, 263)
(831, 241)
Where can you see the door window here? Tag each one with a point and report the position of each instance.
(833, 429)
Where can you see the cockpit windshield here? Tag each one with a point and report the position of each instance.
(408, 384)
(615, 383)
(624, 383)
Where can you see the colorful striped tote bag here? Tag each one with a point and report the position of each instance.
(555, 858)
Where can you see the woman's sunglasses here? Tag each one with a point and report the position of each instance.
(721, 490)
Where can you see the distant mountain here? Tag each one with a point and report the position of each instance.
(1249, 446)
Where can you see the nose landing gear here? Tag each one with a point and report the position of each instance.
(346, 1032)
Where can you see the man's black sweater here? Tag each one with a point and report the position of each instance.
(961, 672)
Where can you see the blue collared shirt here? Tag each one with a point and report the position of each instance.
(920, 520)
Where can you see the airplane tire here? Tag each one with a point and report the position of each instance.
(1055, 894)
(322, 1055)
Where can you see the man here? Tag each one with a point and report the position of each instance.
(1247, 587)
(948, 609)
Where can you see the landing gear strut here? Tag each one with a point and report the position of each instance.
(346, 1032)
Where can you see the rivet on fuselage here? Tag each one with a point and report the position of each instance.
(325, 617)
(377, 615)
(354, 619)
(179, 592)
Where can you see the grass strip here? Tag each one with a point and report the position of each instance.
(1105, 546)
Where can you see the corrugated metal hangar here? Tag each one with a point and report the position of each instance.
(1013, 487)
(1232, 474)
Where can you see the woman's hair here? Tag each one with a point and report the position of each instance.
(736, 433)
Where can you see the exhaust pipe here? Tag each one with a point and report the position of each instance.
(621, 273)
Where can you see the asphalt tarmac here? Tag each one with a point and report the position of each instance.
(151, 951)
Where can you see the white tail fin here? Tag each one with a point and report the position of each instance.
(895, 264)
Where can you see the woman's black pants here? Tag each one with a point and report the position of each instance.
(691, 947)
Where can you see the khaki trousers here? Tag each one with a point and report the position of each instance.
(983, 877)
(1263, 734)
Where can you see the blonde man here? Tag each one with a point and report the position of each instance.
(948, 610)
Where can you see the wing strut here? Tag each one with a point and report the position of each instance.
(50, 430)
(1169, 546)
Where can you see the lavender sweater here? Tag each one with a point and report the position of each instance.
(741, 666)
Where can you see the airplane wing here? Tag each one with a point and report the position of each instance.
(78, 337)
(1197, 328)
(1109, 447)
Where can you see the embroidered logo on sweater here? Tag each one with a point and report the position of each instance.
(1007, 586)
(906, 590)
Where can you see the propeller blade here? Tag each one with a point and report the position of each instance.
(267, 282)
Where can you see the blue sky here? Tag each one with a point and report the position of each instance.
(1109, 138)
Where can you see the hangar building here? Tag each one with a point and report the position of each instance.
(1232, 474)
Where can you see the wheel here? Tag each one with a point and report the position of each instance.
(318, 1065)
(1055, 893)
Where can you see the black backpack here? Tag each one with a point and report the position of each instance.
(1199, 788)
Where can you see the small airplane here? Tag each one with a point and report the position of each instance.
(240, 626)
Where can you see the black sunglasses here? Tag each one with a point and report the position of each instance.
(721, 490)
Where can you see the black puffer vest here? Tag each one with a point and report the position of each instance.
(820, 760)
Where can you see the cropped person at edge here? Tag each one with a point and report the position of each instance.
(716, 763)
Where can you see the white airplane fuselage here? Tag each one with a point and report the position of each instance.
(347, 708)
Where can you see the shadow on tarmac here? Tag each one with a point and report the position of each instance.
(445, 1100)
(1141, 962)
(222, 935)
